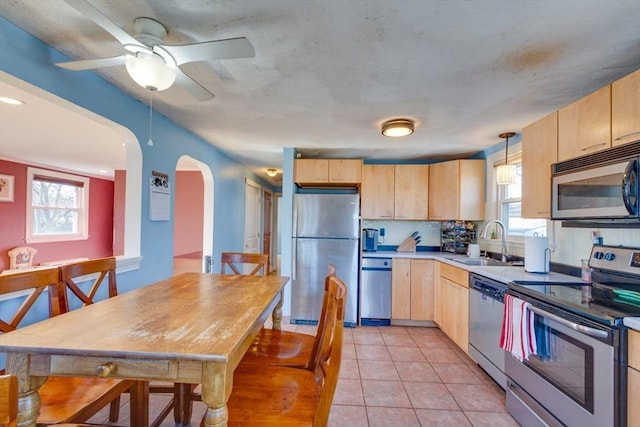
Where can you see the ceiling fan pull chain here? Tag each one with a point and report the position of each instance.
(150, 142)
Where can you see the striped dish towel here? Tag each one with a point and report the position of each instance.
(518, 333)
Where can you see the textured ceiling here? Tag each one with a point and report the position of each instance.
(327, 73)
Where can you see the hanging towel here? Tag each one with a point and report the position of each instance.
(518, 333)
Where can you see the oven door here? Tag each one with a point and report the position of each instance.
(573, 377)
(603, 192)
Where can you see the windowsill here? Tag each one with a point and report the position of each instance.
(54, 238)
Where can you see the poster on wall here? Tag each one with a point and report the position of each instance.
(6, 188)
(159, 199)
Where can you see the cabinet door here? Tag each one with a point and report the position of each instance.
(584, 127)
(438, 293)
(376, 191)
(311, 171)
(471, 190)
(401, 289)
(443, 190)
(539, 152)
(422, 289)
(459, 300)
(345, 171)
(633, 397)
(411, 189)
(625, 109)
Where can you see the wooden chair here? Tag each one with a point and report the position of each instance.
(63, 399)
(236, 261)
(9, 403)
(105, 268)
(265, 395)
(286, 348)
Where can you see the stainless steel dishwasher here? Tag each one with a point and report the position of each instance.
(375, 292)
(486, 308)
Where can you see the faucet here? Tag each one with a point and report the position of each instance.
(483, 235)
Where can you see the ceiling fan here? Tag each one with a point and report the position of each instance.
(149, 62)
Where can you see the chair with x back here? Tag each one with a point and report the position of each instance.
(105, 268)
(240, 263)
(62, 399)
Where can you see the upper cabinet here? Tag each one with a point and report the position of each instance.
(377, 191)
(394, 192)
(411, 191)
(584, 126)
(457, 190)
(625, 109)
(539, 152)
(323, 172)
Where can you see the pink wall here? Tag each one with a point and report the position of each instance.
(13, 222)
(188, 211)
(119, 196)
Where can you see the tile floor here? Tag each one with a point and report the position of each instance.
(396, 376)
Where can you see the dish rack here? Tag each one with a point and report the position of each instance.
(455, 236)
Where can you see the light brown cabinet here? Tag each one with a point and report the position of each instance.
(452, 313)
(457, 190)
(328, 172)
(412, 289)
(633, 380)
(377, 191)
(394, 192)
(411, 192)
(584, 126)
(539, 152)
(625, 109)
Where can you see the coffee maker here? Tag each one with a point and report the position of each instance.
(369, 239)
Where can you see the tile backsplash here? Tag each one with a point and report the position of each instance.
(397, 231)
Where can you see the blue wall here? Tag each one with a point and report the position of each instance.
(27, 58)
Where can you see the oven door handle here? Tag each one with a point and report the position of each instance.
(569, 324)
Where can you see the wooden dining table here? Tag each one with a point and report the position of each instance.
(192, 328)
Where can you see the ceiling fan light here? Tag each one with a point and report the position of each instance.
(150, 71)
(397, 128)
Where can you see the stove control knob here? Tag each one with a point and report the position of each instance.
(598, 255)
(609, 256)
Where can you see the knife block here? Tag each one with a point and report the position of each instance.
(407, 245)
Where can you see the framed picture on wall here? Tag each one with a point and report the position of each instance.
(6, 188)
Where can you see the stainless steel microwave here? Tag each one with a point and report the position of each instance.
(602, 185)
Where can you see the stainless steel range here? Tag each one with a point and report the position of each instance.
(578, 376)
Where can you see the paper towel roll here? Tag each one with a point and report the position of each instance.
(536, 259)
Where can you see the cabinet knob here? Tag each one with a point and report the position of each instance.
(105, 370)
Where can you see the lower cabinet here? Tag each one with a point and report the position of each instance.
(452, 304)
(412, 289)
(633, 380)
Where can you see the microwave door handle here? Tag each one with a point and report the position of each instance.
(630, 170)
(569, 324)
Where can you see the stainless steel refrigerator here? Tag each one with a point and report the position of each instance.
(326, 230)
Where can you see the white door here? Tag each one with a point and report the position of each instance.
(252, 217)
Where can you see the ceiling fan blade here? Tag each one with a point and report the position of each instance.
(239, 47)
(96, 16)
(193, 87)
(90, 64)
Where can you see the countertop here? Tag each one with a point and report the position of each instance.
(500, 273)
(632, 322)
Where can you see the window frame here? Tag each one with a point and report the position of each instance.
(503, 201)
(82, 209)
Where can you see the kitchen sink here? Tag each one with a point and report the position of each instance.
(482, 262)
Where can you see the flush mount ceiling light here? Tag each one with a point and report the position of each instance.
(150, 70)
(10, 101)
(506, 173)
(397, 127)
(272, 172)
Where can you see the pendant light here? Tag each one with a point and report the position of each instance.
(506, 173)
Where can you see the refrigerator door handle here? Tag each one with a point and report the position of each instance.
(294, 252)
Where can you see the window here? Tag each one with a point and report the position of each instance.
(510, 210)
(57, 206)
